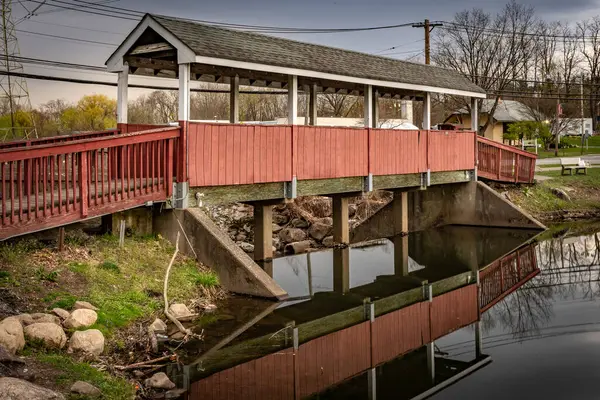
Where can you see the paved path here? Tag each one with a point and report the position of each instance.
(591, 158)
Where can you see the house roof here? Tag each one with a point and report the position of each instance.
(211, 43)
(506, 111)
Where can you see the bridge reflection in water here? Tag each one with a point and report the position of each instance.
(367, 341)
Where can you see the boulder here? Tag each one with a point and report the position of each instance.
(51, 335)
(159, 380)
(158, 326)
(321, 228)
(280, 219)
(241, 237)
(328, 241)
(39, 318)
(85, 389)
(561, 194)
(291, 235)
(299, 223)
(210, 308)
(351, 210)
(81, 318)
(25, 319)
(64, 314)
(276, 228)
(13, 389)
(180, 311)
(84, 305)
(87, 342)
(298, 247)
(6, 357)
(247, 247)
(11, 335)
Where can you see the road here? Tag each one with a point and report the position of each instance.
(592, 159)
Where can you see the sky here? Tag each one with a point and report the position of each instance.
(288, 13)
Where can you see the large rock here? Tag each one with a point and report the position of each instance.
(18, 389)
(328, 241)
(290, 235)
(180, 311)
(88, 342)
(64, 314)
(81, 318)
(159, 381)
(299, 223)
(280, 219)
(85, 389)
(51, 335)
(561, 194)
(25, 319)
(158, 326)
(247, 247)
(39, 318)
(276, 228)
(11, 335)
(321, 228)
(84, 305)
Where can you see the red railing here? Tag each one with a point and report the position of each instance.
(227, 154)
(504, 163)
(57, 139)
(506, 275)
(49, 185)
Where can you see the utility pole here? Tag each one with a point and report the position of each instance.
(428, 28)
(13, 89)
(582, 116)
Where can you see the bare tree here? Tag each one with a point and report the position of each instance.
(490, 50)
(589, 35)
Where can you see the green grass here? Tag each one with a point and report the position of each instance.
(60, 299)
(592, 141)
(584, 191)
(70, 371)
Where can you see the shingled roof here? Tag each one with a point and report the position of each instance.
(216, 42)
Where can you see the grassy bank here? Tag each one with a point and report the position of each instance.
(541, 200)
(125, 283)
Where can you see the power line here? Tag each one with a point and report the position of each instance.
(67, 38)
(397, 46)
(78, 27)
(453, 26)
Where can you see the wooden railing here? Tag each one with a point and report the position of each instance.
(507, 275)
(227, 154)
(58, 139)
(504, 163)
(47, 185)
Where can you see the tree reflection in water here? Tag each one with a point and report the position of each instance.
(570, 269)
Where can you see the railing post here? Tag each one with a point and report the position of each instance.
(499, 158)
(368, 183)
(516, 168)
(83, 183)
(169, 167)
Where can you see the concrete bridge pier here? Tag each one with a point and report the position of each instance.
(263, 236)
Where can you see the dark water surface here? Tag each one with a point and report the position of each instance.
(405, 319)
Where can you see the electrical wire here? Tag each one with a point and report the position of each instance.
(78, 27)
(67, 38)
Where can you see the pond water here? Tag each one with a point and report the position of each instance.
(405, 318)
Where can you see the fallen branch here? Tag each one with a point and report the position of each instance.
(143, 363)
(182, 329)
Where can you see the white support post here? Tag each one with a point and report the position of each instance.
(313, 104)
(474, 115)
(292, 99)
(375, 109)
(184, 92)
(234, 99)
(427, 111)
(368, 106)
(122, 92)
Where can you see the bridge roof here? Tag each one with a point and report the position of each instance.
(211, 45)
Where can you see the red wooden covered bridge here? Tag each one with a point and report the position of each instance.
(55, 181)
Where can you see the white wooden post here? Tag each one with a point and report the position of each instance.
(313, 104)
(368, 106)
(234, 100)
(122, 92)
(427, 112)
(474, 115)
(375, 109)
(184, 92)
(292, 99)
